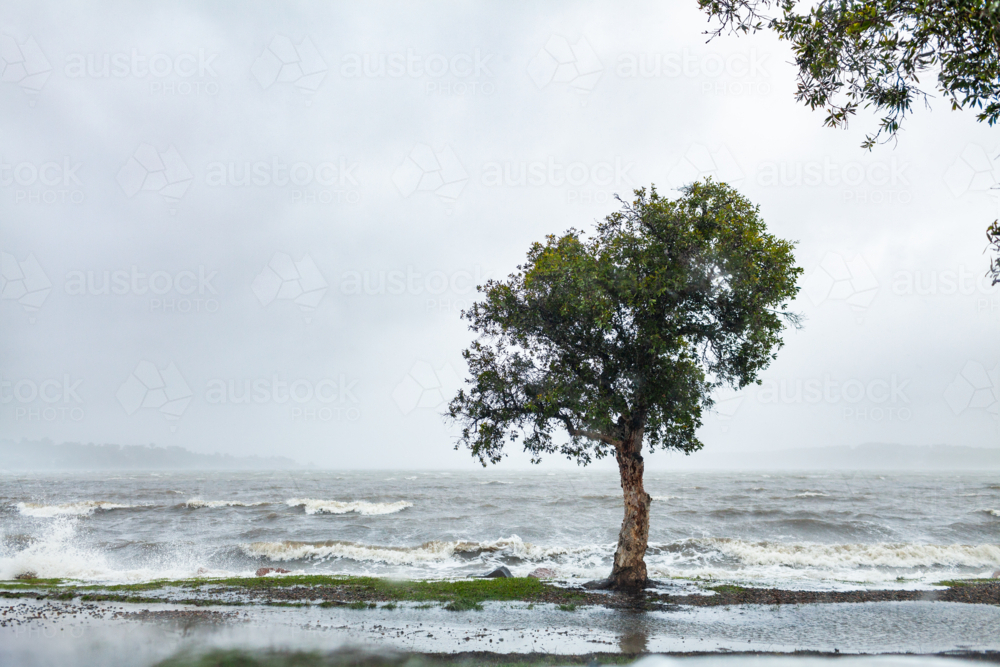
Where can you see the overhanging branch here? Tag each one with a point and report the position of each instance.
(593, 435)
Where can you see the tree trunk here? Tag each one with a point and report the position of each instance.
(629, 571)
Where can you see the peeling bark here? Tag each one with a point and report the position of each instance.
(629, 571)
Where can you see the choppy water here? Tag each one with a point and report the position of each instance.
(801, 530)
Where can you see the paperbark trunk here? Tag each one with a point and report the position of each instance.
(629, 571)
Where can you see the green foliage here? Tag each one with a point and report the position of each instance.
(628, 332)
(993, 236)
(368, 588)
(463, 604)
(727, 588)
(567, 607)
(960, 583)
(872, 53)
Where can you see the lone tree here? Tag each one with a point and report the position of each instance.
(621, 338)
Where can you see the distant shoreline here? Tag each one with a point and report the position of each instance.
(39, 456)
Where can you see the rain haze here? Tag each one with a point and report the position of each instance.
(237, 240)
(250, 228)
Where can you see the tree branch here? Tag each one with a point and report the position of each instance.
(593, 435)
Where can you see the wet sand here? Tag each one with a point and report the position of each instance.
(74, 632)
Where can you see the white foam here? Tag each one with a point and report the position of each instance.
(81, 508)
(810, 494)
(57, 554)
(196, 503)
(839, 556)
(428, 552)
(993, 512)
(286, 551)
(665, 498)
(336, 507)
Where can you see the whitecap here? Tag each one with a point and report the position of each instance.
(313, 506)
(838, 556)
(81, 508)
(196, 503)
(428, 552)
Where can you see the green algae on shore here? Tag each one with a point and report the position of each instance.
(457, 595)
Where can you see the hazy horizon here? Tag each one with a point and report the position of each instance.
(93, 457)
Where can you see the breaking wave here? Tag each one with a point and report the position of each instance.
(434, 551)
(82, 508)
(196, 503)
(58, 552)
(811, 494)
(336, 507)
(712, 557)
(838, 556)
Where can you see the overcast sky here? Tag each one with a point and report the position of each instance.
(300, 198)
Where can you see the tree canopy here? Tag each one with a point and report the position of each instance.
(627, 331)
(873, 53)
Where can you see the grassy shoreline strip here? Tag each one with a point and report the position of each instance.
(458, 595)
